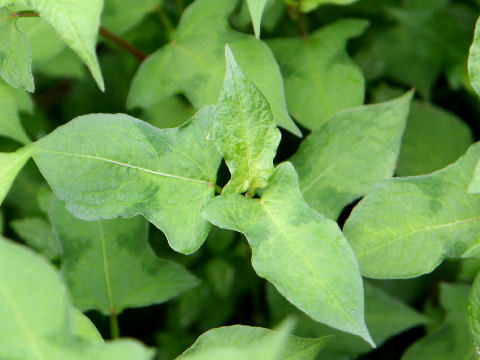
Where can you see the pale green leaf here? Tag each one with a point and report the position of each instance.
(77, 23)
(474, 312)
(196, 66)
(10, 125)
(256, 8)
(37, 317)
(83, 328)
(474, 186)
(169, 112)
(320, 78)
(107, 166)
(242, 337)
(452, 340)
(354, 150)
(121, 15)
(292, 244)
(407, 226)
(474, 59)
(244, 130)
(310, 5)
(22, 98)
(10, 166)
(109, 265)
(15, 53)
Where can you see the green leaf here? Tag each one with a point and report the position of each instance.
(452, 340)
(109, 265)
(77, 23)
(169, 112)
(243, 337)
(120, 16)
(83, 328)
(320, 77)
(196, 67)
(37, 318)
(256, 8)
(474, 59)
(354, 150)
(245, 131)
(10, 166)
(38, 234)
(407, 226)
(10, 124)
(291, 243)
(107, 166)
(309, 5)
(15, 53)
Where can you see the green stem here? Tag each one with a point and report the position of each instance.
(114, 328)
(166, 23)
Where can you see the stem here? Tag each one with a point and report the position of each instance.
(180, 6)
(298, 19)
(122, 43)
(166, 23)
(25, 14)
(114, 328)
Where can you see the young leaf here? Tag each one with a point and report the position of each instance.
(256, 8)
(36, 315)
(109, 265)
(242, 337)
(107, 166)
(10, 124)
(77, 23)
(354, 150)
(291, 243)
(196, 65)
(407, 226)
(320, 77)
(245, 131)
(15, 53)
(474, 60)
(10, 166)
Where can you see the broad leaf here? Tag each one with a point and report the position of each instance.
(256, 8)
(292, 244)
(309, 5)
(36, 315)
(10, 124)
(10, 166)
(77, 23)
(242, 337)
(120, 16)
(109, 265)
(350, 153)
(107, 166)
(407, 226)
(452, 340)
(245, 131)
(474, 60)
(83, 328)
(15, 53)
(320, 77)
(196, 67)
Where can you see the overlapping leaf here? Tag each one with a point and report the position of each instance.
(320, 77)
(119, 16)
(245, 131)
(195, 63)
(310, 5)
(292, 244)
(407, 226)
(10, 166)
(10, 125)
(256, 8)
(474, 60)
(107, 166)
(350, 153)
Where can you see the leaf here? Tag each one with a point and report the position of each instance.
(83, 328)
(474, 311)
(242, 337)
(77, 23)
(256, 8)
(245, 131)
(165, 175)
(452, 340)
(15, 53)
(353, 151)
(407, 226)
(385, 316)
(474, 59)
(120, 16)
(320, 78)
(10, 125)
(310, 5)
(38, 234)
(291, 243)
(37, 318)
(168, 113)
(196, 67)
(109, 265)
(10, 166)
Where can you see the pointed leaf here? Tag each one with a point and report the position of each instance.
(245, 131)
(15, 53)
(196, 65)
(354, 150)
(10, 166)
(10, 125)
(320, 77)
(109, 265)
(77, 23)
(310, 5)
(107, 166)
(256, 8)
(83, 328)
(407, 226)
(474, 60)
(292, 243)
